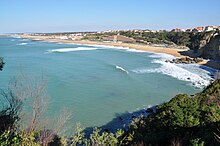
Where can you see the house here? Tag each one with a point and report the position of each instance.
(209, 28)
(198, 29)
(177, 30)
(63, 37)
(189, 30)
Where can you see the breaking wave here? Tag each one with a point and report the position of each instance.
(22, 44)
(198, 77)
(121, 68)
(116, 48)
(63, 50)
(24, 40)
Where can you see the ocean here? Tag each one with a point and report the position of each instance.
(98, 83)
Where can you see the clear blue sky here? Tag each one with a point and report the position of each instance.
(90, 15)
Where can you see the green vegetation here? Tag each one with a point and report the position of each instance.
(189, 39)
(184, 119)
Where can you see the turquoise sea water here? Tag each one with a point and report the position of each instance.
(95, 82)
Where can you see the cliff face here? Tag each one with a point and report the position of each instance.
(210, 47)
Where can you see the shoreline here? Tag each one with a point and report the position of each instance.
(139, 47)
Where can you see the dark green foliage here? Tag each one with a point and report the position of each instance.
(186, 118)
(9, 114)
(193, 40)
(164, 37)
(179, 38)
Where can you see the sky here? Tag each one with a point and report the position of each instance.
(96, 15)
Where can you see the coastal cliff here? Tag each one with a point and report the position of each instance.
(211, 50)
(205, 45)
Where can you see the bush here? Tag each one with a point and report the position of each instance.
(186, 118)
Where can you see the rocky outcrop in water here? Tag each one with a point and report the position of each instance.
(186, 60)
(1, 63)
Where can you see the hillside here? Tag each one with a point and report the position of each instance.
(203, 44)
(184, 120)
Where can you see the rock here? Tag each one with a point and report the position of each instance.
(133, 117)
(149, 110)
(211, 49)
(185, 60)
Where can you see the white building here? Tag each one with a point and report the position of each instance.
(63, 37)
(208, 28)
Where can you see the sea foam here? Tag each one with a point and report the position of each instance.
(16, 36)
(24, 40)
(114, 47)
(191, 73)
(63, 50)
(22, 44)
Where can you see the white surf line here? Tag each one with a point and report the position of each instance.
(197, 76)
(62, 50)
(22, 44)
(121, 68)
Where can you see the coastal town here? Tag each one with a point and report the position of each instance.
(199, 42)
(117, 38)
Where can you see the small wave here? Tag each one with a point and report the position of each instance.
(62, 50)
(161, 57)
(16, 36)
(12, 40)
(115, 48)
(126, 49)
(197, 80)
(60, 43)
(134, 50)
(22, 44)
(25, 40)
(121, 68)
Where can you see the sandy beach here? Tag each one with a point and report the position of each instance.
(172, 51)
